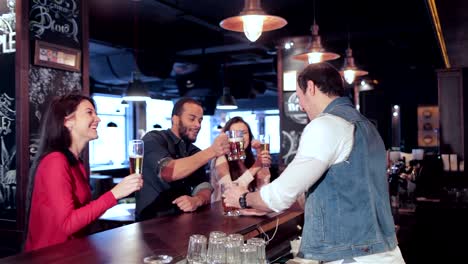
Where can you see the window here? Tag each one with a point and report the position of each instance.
(110, 148)
(204, 139)
(158, 112)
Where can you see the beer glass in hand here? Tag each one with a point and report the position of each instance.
(236, 145)
(135, 155)
(229, 211)
(264, 145)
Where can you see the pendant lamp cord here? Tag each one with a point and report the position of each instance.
(135, 32)
(314, 10)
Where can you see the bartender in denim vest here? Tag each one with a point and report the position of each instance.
(174, 168)
(340, 166)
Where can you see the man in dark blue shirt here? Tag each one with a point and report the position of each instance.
(174, 174)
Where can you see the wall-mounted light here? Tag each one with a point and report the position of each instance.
(253, 21)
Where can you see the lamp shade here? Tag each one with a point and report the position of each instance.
(136, 91)
(111, 124)
(349, 69)
(316, 53)
(124, 103)
(253, 21)
(226, 101)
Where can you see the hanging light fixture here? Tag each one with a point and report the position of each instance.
(316, 53)
(226, 101)
(253, 21)
(111, 124)
(137, 90)
(124, 103)
(349, 69)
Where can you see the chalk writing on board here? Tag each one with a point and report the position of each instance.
(7, 172)
(289, 145)
(44, 84)
(59, 16)
(8, 29)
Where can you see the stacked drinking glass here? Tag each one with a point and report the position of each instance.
(225, 249)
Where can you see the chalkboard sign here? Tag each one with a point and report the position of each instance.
(56, 21)
(7, 138)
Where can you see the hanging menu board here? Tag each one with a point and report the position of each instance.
(56, 21)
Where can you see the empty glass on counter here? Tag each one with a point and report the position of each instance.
(157, 259)
(196, 253)
(259, 243)
(248, 254)
(236, 145)
(226, 249)
(233, 244)
(215, 242)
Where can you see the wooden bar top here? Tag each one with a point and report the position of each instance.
(165, 235)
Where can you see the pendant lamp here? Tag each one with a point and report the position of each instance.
(226, 101)
(349, 71)
(316, 53)
(253, 21)
(137, 90)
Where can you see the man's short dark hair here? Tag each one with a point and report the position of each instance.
(179, 105)
(325, 77)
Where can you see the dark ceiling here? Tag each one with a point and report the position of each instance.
(176, 40)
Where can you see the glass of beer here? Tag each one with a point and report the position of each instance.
(229, 211)
(264, 145)
(236, 145)
(135, 155)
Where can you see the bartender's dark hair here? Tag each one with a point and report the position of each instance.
(54, 136)
(236, 168)
(325, 77)
(179, 105)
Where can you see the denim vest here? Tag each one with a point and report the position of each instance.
(347, 212)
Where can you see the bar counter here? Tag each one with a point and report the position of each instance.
(165, 235)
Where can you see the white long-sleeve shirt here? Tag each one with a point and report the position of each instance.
(325, 141)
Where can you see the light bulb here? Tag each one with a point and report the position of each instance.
(349, 76)
(314, 57)
(253, 26)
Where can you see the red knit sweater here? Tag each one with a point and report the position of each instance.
(61, 206)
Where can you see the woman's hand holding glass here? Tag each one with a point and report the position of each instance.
(263, 155)
(128, 185)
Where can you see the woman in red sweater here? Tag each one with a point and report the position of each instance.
(59, 196)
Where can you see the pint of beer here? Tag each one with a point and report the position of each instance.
(264, 145)
(135, 156)
(236, 145)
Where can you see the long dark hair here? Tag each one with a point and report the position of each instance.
(236, 168)
(54, 136)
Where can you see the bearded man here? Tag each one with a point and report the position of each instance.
(174, 175)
